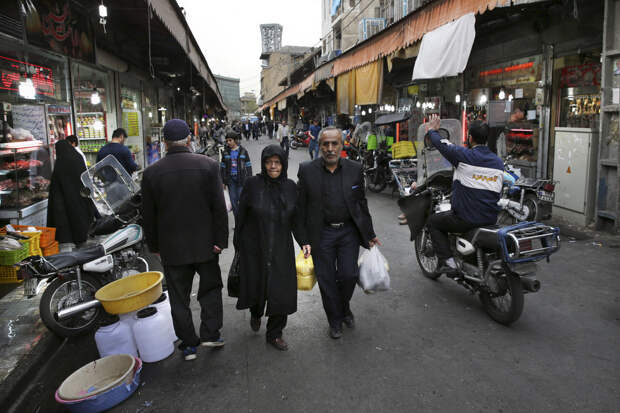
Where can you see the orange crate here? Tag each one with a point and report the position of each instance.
(48, 234)
(51, 250)
(8, 274)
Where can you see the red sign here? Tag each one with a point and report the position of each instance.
(513, 68)
(580, 76)
(12, 72)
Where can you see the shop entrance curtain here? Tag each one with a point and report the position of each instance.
(445, 51)
(345, 92)
(367, 84)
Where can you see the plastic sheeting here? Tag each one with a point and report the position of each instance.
(367, 80)
(445, 51)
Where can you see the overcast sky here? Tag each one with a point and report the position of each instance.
(228, 32)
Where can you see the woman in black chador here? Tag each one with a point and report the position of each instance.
(67, 211)
(263, 237)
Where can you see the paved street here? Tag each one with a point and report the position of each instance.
(422, 346)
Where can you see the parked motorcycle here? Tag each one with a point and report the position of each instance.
(301, 140)
(213, 150)
(537, 195)
(496, 262)
(379, 176)
(68, 306)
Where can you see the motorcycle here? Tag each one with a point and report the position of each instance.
(301, 140)
(68, 306)
(537, 195)
(213, 150)
(496, 262)
(379, 176)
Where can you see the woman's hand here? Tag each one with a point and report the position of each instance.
(307, 250)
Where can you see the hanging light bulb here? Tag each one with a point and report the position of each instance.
(510, 97)
(95, 99)
(363, 113)
(502, 95)
(483, 99)
(369, 110)
(457, 98)
(417, 104)
(27, 90)
(150, 114)
(103, 15)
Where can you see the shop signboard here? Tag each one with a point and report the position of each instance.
(587, 75)
(32, 119)
(514, 72)
(56, 26)
(131, 122)
(13, 71)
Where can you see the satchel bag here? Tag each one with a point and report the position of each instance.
(233, 277)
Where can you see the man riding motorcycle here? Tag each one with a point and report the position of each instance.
(476, 189)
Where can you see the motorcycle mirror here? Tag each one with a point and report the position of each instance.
(85, 192)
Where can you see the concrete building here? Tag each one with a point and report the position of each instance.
(248, 103)
(345, 23)
(279, 65)
(229, 88)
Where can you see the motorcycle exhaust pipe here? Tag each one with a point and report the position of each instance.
(75, 309)
(530, 284)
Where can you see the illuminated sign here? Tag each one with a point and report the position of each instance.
(508, 69)
(12, 72)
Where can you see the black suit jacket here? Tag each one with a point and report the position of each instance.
(183, 207)
(310, 201)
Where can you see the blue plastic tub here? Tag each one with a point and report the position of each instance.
(107, 400)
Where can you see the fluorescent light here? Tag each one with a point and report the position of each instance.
(457, 98)
(27, 90)
(135, 105)
(369, 110)
(103, 11)
(150, 114)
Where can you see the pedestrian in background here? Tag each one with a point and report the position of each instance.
(119, 150)
(255, 130)
(283, 137)
(263, 238)
(270, 129)
(185, 220)
(67, 211)
(236, 168)
(74, 141)
(313, 147)
(336, 221)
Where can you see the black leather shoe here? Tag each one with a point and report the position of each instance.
(278, 343)
(335, 332)
(255, 323)
(349, 320)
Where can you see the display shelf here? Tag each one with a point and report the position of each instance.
(92, 139)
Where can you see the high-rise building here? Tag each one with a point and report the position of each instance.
(229, 89)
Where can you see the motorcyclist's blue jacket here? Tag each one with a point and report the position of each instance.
(477, 181)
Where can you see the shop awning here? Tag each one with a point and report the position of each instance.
(391, 118)
(444, 52)
(169, 15)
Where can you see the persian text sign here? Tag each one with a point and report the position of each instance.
(14, 71)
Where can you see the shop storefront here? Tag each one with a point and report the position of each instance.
(131, 118)
(35, 112)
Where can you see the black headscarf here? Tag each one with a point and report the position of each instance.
(274, 185)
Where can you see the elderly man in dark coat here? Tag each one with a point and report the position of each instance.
(185, 220)
(265, 222)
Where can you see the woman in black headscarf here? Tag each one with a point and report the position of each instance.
(67, 211)
(265, 222)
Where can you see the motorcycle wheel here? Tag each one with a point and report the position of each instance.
(294, 145)
(506, 304)
(375, 181)
(505, 219)
(531, 201)
(428, 264)
(62, 293)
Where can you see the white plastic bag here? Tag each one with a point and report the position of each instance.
(374, 269)
(227, 199)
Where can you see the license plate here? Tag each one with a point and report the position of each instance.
(30, 287)
(546, 196)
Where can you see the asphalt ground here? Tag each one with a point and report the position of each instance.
(422, 346)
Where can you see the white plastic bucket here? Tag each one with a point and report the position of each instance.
(115, 338)
(163, 306)
(153, 342)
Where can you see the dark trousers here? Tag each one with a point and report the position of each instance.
(335, 263)
(179, 279)
(275, 322)
(285, 144)
(234, 191)
(439, 227)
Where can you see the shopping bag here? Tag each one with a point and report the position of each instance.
(374, 271)
(305, 272)
(227, 199)
(233, 277)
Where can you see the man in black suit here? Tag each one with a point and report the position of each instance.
(185, 220)
(334, 210)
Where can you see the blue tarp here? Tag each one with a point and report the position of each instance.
(335, 5)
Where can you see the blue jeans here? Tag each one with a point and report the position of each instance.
(313, 148)
(234, 190)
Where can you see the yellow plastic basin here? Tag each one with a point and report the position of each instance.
(131, 293)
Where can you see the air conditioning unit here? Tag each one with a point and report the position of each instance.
(369, 27)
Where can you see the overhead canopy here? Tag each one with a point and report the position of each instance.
(391, 118)
(445, 51)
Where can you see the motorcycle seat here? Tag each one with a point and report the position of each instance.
(77, 257)
(484, 237)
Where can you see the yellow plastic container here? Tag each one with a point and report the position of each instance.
(305, 272)
(403, 149)
(131, 293)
